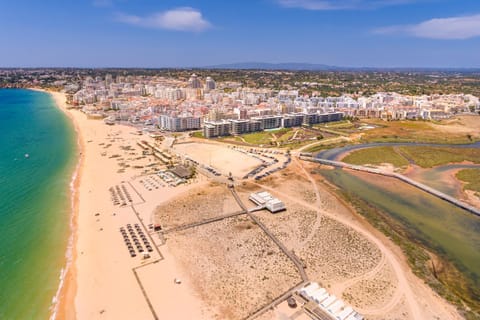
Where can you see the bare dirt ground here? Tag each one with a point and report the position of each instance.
(234, 266)
(196, 205)
(218, 156)
(373, 291)
(472, 198)
(460, 124)
(345, 254)
(330, 250)
(236, 269)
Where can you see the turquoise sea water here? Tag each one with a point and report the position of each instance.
(35, 201)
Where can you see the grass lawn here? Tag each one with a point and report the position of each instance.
(285, 134)
(409, 131)
(471, 177)
(197, 134)
(258, 138)
(376, 156)
(266, 137)
(428, 157)
(337, 142)
(336, 124)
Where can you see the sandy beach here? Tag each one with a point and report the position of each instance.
(103, 280)
(206, 272)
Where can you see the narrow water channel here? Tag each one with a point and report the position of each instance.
(443, 228)
(334, 153)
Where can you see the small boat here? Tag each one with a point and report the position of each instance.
(27, 155)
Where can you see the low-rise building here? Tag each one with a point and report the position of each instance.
(266, 200)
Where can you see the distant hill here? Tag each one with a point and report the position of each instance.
(294, 66)
(298, 66)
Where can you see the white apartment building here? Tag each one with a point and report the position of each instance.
(180, 123)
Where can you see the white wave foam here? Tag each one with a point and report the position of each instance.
(69, 252)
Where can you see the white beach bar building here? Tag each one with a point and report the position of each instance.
(331, 306)
(265, 199)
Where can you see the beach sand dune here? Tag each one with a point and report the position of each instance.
(236, 268)
(198, 204)
(229, 268)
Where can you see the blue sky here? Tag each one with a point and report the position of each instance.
(195, 33)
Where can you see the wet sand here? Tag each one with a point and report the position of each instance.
(101, 282)
(104, 282)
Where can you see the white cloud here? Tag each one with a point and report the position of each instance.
(441, 28)
(340, 4)
(180, 19)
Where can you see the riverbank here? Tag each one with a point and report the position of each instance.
(104, 281)
(431, 164)
(470, 182)
(445, 178)
(439, 240)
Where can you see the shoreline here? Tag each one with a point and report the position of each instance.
(99, 274)
(446, 263)
(63, 306)
(91, 285)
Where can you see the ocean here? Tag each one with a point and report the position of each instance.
(37, 161)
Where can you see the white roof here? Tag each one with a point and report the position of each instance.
(320, 291)
(358, 316)
(264, 194)
(355, 316)
(329, 301)
(322, 297)
(344, 313)
(336, 306)
(316, 296)
(274, 201)
(311, 288)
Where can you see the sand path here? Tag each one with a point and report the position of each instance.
(419, 298)
(342, 286)
(403, 288)
(318, 220)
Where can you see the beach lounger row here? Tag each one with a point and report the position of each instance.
(138, 238)
(120, 195)
(151, 182)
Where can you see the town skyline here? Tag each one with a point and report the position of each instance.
(249, 159)
(236, 157)
(192, 34)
